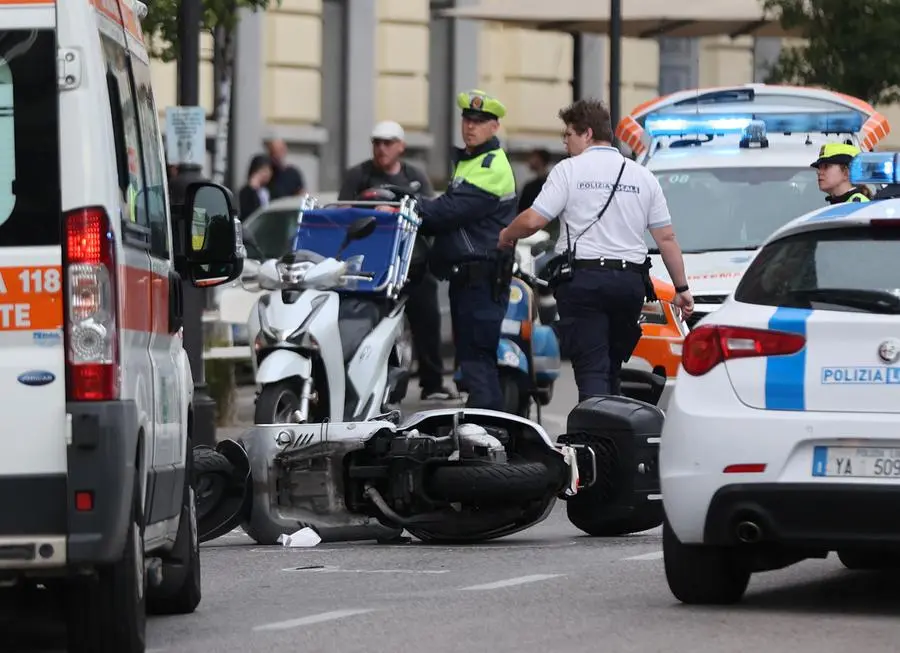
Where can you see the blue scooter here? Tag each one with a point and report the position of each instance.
(528, 354)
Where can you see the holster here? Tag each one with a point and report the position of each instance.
(503, 272)
(649, 290)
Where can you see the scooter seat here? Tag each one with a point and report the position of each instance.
(357, 318)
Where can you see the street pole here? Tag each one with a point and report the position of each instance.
(615, 60)
(190, 16)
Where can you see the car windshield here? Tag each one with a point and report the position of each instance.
(843, 269)
(270, 234)
(721, 209)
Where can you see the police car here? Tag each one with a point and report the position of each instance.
(782, 437)
(734, 164)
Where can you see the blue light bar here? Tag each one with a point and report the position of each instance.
(838, 122)
(875, 168)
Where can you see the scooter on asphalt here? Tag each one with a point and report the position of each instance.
(326, 337)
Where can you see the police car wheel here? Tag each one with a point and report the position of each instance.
(703, 575)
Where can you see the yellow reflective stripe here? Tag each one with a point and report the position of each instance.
(858, 197)
(491, 172)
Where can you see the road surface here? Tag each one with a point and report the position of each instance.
(548, 590)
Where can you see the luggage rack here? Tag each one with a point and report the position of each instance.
(390, 247)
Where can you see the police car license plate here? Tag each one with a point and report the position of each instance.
(856, 462)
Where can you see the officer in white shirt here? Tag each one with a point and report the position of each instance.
(601, 272)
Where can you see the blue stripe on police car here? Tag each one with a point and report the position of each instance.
(786, 375)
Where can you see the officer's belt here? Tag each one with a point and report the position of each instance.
(474, 270)
(609, 264)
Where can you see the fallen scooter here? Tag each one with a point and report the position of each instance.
(449, 475)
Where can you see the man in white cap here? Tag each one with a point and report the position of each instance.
(386, 167)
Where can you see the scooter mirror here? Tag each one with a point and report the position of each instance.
(358, 229)
(361, 228)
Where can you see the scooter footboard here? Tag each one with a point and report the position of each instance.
(298, 474)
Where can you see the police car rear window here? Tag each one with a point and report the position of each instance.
(844, 269)
(730, 208)
(29, 139)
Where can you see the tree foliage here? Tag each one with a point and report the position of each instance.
(161, 21)
(850, 46)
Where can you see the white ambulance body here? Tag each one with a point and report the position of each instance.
(95, 386)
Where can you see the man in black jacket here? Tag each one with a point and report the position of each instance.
(387, 167)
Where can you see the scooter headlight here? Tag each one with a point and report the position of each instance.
(292, 274)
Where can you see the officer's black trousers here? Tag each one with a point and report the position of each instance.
(477, 320)
(598, 319)
(424, 316)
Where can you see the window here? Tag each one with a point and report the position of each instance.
(117, 65)
(847, 268)
(153, 160)
(735, 208)
(270, 234)
(29, 139)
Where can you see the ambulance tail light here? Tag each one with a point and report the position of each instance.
(653, 313)
(91, 314)
(711, 344)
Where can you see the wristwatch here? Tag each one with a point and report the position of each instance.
(681, 289)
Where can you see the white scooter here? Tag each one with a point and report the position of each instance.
(327, 338)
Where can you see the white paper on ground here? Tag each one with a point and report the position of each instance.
(306, 537)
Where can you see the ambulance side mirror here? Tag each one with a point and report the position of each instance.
(212, 251)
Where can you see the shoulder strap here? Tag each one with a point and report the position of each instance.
(572, 245)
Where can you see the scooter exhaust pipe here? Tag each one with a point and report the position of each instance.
(749, 532)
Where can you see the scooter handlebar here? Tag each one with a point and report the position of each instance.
(530, 279)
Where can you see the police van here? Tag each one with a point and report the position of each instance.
(734, 164)
(96, 503)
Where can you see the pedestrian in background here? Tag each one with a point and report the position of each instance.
(601, 279)
(287, 180)
(386, 167)
(255, 193)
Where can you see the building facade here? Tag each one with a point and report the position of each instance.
(321, 73)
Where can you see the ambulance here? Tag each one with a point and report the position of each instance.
(96, 499)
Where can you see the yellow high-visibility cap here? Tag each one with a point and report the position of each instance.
(479, 105)
(839, 153)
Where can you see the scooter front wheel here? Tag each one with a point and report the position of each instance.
(277, 402)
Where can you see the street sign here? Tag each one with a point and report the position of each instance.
(186, 135)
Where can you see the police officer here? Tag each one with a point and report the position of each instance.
(833, 168)
(601, 274)
(466, 222)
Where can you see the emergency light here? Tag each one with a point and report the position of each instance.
(683, 124)
(875, 168)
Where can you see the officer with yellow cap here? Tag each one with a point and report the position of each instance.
(466, 222)
(833, 167)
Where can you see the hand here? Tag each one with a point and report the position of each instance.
(505, 241)
(685, 301)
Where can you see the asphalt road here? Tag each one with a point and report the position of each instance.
(548, 590)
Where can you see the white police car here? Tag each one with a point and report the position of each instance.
(734, 164)
(782, 437)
